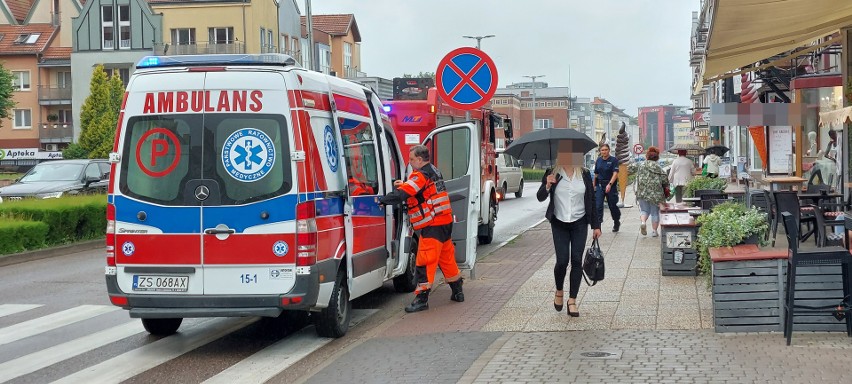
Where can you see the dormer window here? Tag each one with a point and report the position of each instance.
(27, 38)
(115, 19)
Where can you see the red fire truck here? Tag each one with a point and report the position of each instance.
(416, 110)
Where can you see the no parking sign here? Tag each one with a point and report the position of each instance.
(466, 78)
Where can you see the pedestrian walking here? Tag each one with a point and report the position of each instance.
(713, 162)
(606, 186)
(680, 174)
(571, 212)
(650, 184)
(432, 218)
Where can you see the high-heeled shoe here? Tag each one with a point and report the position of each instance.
(573, 313)
(557, 307)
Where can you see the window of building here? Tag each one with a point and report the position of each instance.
(23, 118)
(561, 103)
(270, 41)
(543, 123)
(64, 116)
(183, 36)
(21, 80)
(305, 59)
(283, 41)
(27, 38)
(124, 26)
(549, 104)
(107, 27)
(122, 73)
(221, 35)
(347, 59)
(263, 40)
(63, 79)
(294, 45)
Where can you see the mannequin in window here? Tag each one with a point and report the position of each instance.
(812, 140)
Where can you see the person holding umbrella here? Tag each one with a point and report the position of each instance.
(571, 213)
(606, 186)
(680, 174)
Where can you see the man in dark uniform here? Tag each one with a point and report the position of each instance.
(606, 186)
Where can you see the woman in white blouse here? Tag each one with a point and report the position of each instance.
(571, 211)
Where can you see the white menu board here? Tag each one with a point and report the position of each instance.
(780, 149)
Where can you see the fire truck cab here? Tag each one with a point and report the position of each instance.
(244, 185)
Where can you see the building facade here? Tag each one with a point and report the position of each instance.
(337, 45)
(551, 107)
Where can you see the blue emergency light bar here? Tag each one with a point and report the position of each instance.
(386, 108)
(225, 59)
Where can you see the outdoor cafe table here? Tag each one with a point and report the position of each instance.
(692, 200)
(777, 183)
(817, 198)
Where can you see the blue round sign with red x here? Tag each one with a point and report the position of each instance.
(466, 78)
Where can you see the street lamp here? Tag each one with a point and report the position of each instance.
(478, 39)
(534, 84)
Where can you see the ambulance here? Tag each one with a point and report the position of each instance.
(245, 185)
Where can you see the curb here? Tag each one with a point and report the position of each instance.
(46, 253)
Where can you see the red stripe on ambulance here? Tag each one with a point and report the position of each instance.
(351, 105)
(148, 249)
(248, 249)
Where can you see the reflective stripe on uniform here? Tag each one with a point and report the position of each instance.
(413, 185)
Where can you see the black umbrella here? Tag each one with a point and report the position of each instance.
(544, 144)
(691, 149)
(719, 150)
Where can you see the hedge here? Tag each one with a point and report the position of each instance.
(20, 235)
(68, 219)
(531, 175)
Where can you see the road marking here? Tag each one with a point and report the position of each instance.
(11, 309)
(37, 360)
(132, 363)
(268, 362)
(50, 322)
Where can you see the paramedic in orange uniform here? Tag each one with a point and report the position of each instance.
(432, 218)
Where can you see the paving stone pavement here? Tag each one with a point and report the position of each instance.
(656, 329)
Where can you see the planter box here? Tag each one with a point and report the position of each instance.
(749, 291)
(678, 256)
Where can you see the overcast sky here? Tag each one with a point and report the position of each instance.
(632, 52)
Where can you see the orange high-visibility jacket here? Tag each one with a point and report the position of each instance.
(427, 198)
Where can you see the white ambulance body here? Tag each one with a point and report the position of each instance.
(244, 185)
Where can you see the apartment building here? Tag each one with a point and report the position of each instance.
(337, 48)
(550, 106)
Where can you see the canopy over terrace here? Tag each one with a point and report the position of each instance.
(744, 32)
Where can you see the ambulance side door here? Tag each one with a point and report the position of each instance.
(455, 151)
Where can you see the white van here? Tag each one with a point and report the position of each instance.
(510, 175)
(244, 185)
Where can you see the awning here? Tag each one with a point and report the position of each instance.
(744, 32)
(836, 117)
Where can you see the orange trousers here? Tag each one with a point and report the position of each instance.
(435, 249)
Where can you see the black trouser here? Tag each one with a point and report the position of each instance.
(611, 200)
(569, 240)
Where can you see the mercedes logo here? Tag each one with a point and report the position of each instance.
(202, 193)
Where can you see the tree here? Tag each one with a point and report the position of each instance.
(7, 101)
(419, 75)
(98, 116)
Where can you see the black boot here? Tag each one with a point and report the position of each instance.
(616, 226)
(456, 286)
(420, 303)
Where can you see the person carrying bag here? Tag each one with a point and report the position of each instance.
(593, 264)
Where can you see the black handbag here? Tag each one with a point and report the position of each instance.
(593, 264)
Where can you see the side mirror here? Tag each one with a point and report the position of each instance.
(520, 163)
(91, 179)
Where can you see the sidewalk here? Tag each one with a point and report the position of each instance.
(635, 326)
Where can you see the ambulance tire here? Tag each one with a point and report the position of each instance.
(333, 321)
(162, 327)
(520, 192)
(487, 230)
(407, 282)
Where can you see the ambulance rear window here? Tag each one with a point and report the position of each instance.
(245, 157)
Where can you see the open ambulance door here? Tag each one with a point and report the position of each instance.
(455, 151)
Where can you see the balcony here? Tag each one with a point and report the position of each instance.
(56, 132)
(52, 95)
(199, 48)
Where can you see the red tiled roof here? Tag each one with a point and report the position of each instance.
(336, 25)
(11, 32)
(57, 53)
(20, 9)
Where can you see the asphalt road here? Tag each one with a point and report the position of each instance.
(56, 324)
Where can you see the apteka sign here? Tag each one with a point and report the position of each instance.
(28, 154)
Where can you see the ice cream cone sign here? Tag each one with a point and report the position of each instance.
(622, 153)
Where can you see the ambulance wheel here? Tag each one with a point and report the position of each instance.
(161, 327)
(333, 321)
(520, 192)
(487, 230)
(407, 281)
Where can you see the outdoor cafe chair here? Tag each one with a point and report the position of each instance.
(788, 201)
(813, 257)
(825, 234)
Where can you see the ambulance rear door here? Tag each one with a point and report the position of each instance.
(455, 151)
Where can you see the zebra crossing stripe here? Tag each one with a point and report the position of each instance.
(37, 360)
(50, 322)
(151, 355)
(268, 362)
(11, 309)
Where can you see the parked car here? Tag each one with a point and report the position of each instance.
(52, 179)
(510, 175)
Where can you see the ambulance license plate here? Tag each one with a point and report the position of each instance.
(160, 283)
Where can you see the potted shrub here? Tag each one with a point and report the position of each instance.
(52, 118)
(699, 183)
(728, 224)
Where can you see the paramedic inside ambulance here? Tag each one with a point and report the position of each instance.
(431, 216)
